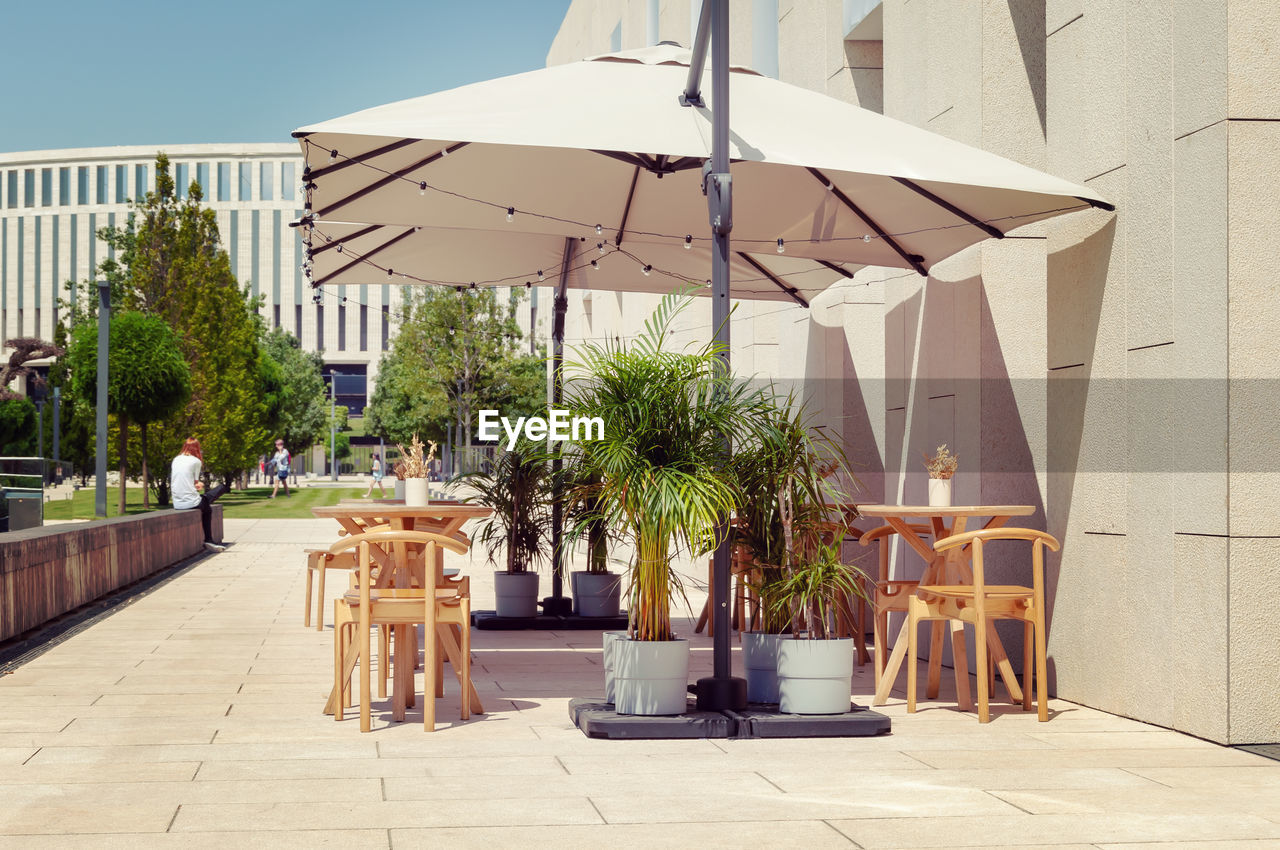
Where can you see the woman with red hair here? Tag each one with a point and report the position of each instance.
(185, 483)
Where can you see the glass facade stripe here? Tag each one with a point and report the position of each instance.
(64, 187)
(93, 246)
(233, 243)
(275, 259)
(111, 223)
(82, 184)
(75, 251)
(122, 181)
(254, 234)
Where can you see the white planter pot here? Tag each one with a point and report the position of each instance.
(650, 677)
(609, 638)
(760, 663)
(939, 492)
(596, 594)
(814, 676)
(415, 492)
(399, 491)
(517, 593)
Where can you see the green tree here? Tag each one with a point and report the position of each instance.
(17, 426)
(76, 447)
(169, 263)
(147, 379)
(304, 410)
(456, 352)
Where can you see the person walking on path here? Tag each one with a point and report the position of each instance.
(281, 461)
(376, 479)
(184, 479)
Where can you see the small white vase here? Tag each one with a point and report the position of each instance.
(939, 492)
(415, 492)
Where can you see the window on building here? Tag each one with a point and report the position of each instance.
(364, 327)
(102, 184)
(342, 326)
(224, 181)
(46, 187)
(82, 184)
(386, 327)
(320, 327)
(64, 187)
(202, 177)
(13, 190)
(246, 181)
(181, 179)
(287, 177)
(122, 184)
(267, 182)
(29, 187)
(141, 183)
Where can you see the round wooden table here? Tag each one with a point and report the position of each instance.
(446, 518)
(950, 567)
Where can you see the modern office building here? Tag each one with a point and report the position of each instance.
(1116, 371)
(52, 204)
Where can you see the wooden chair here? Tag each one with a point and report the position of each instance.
(890, 595)
(980, 603)
(746, 607)
(445, 604)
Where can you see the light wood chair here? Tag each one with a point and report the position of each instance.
(890, 595)
(746, 607)
(980, 603)
(442, 603)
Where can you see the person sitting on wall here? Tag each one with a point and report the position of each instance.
(184, 479)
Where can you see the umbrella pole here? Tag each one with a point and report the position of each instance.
(557, 604)
(721, 691)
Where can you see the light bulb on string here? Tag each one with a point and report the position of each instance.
(595, 264)
(422, 187)
(333, 155)
(866, 237)
(389, 274)
(600, 247)
(339, 249)
(541, 276)
(599, 230)
(647, 269)
(782, 246)
(511, 213)
(444, 151)
(688, 242)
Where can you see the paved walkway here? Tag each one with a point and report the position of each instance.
(192, 719)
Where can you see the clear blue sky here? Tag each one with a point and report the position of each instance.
(156, 72)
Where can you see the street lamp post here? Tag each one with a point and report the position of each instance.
(100, 450)
(333, 426)
(57, 435)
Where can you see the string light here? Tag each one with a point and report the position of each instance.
(599, 230)
(595, 264)
(541, 276)
(647, 269)
(422, 187)
(688, 242)
(333, 155)
(600, 247)
(866, 237)
(782, 246)
(511, 213)
(389, 273)
(339, 249)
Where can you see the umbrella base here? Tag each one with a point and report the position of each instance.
(716, 694)
(597, 719)
(490, 621)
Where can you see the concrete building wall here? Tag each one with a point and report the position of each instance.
(1079, 365)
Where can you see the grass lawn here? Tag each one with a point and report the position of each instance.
(254, 503)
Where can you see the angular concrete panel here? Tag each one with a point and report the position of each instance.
(1253, 59)
(1255, 641)
(1198, 649)
(1200, 66)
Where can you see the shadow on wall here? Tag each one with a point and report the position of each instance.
(1028, 23)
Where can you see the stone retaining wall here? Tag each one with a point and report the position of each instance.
(46, 572)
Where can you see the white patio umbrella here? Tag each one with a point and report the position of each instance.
(587, 175)
(497, 174)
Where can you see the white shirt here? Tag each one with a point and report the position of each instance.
(182, 481)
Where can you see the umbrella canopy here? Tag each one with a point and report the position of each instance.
(594, 167)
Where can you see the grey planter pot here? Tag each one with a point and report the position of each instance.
(596, 594)
(517, 594)
(760, 663)
(814, 676)
(650, 677)
(609, 638)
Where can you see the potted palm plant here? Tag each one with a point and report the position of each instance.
(660, 480)
(596, 590)
(815, 667)
(518, 490)
(787, 479)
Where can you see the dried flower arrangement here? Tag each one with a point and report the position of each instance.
(412, 463)
(943, 464)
